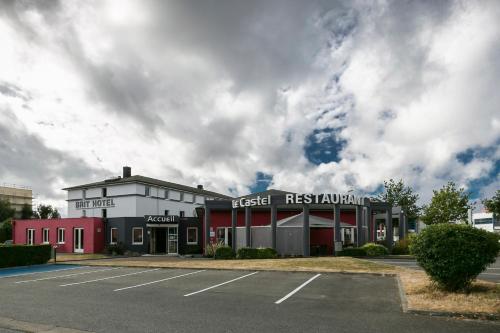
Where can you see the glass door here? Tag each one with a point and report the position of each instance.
(172, 240)
(78, 240)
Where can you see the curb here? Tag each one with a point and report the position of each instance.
(491, 317)
(402, 294)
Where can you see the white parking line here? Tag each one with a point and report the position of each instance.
(485, 273)
(157, 281)
(67, 275)
(220, 284)
(107, 278)
(56, 270)
(297, 289)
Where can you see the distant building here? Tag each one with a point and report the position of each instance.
(486, 222)
(17, 196)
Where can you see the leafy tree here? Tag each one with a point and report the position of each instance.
(6, 211)
(5, 230)
(26, 211)
(447, 205)
(46, 212)
(493, 204)
(397, 194)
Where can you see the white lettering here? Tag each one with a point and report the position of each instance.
(307, 198)
(289, 198)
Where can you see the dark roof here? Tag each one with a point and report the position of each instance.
(149, 181)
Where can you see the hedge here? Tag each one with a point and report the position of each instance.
(260, 253)
(374, 250)
(454, 255)
(224, 252)
(24, 255)
(352, 252)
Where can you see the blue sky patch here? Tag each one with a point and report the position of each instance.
(262, 181)
(324, 146)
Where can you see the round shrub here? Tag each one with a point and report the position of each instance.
(453, 255)
(248, 253)
(267, 253)
(224, 252)
(374, 250)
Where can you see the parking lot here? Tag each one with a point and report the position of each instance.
(105, 299)
(491, 274)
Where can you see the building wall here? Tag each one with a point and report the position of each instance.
(130, 200)
(93, 239)
(479, 220)
(17, 197)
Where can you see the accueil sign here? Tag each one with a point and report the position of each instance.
(307, 198)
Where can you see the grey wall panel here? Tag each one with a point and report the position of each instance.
(261, 237)
(289, 241)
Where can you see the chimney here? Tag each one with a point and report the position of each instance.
(127, 172)
(200, 187)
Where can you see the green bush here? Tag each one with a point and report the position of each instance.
(374, 250)
(224, 252)
(260, 253)
(192, 249)
(453, 255)
(117, 249)
(352, 252)
(23, 255)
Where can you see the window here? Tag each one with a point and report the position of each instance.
(483, 221)
(30, 236)
(114, 236)
(60, 236)
(182, 213)
(181, 196)
(137, 236)
(166, 194)
(192, 236)
(45, 235)
(104, 192)
(84, 213)
(147, 191)
(104, 213)
(221, 235)
(166, 212)
(84, 194)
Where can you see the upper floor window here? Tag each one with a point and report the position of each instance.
(84, 194)
(181, 198)
(166, 212)
(84, 213)
(182, 213)
(147, 191)
(166, 194)
(104, 213)
(104, 192)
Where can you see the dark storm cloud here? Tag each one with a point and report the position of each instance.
(25, 157)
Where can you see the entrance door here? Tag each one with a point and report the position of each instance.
(172, 240)
(78, 240)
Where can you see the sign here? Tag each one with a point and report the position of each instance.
(158, 219)
(307, 198)
(327, 198)
(97, 203)
(257, 201)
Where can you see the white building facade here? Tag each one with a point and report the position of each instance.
(486, 221)
(136, 196)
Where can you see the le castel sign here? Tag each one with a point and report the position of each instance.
(160, 219)
(305, 198)
(96, 203)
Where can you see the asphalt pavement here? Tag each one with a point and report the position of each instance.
(104, 299)
(491, 274)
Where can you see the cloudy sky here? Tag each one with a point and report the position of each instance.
(306, 96)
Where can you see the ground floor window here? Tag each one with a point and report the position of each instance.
(60, 236)
(30, 236)
(114, 236)
(192, 235)
(137, 234)
(45, 235)
(224, 235)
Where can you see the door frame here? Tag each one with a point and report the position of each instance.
(176, 240)
(80, 239)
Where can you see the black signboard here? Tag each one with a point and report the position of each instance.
(159, 219)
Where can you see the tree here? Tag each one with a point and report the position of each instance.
(46, 212)
(397, 194)
(493, 204)
(6, 211)
(449, 204)
(26, 212)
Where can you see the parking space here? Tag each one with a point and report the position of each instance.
(492, 273)
(120, 299)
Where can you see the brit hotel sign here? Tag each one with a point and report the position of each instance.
(96, 203)
(308, 198)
